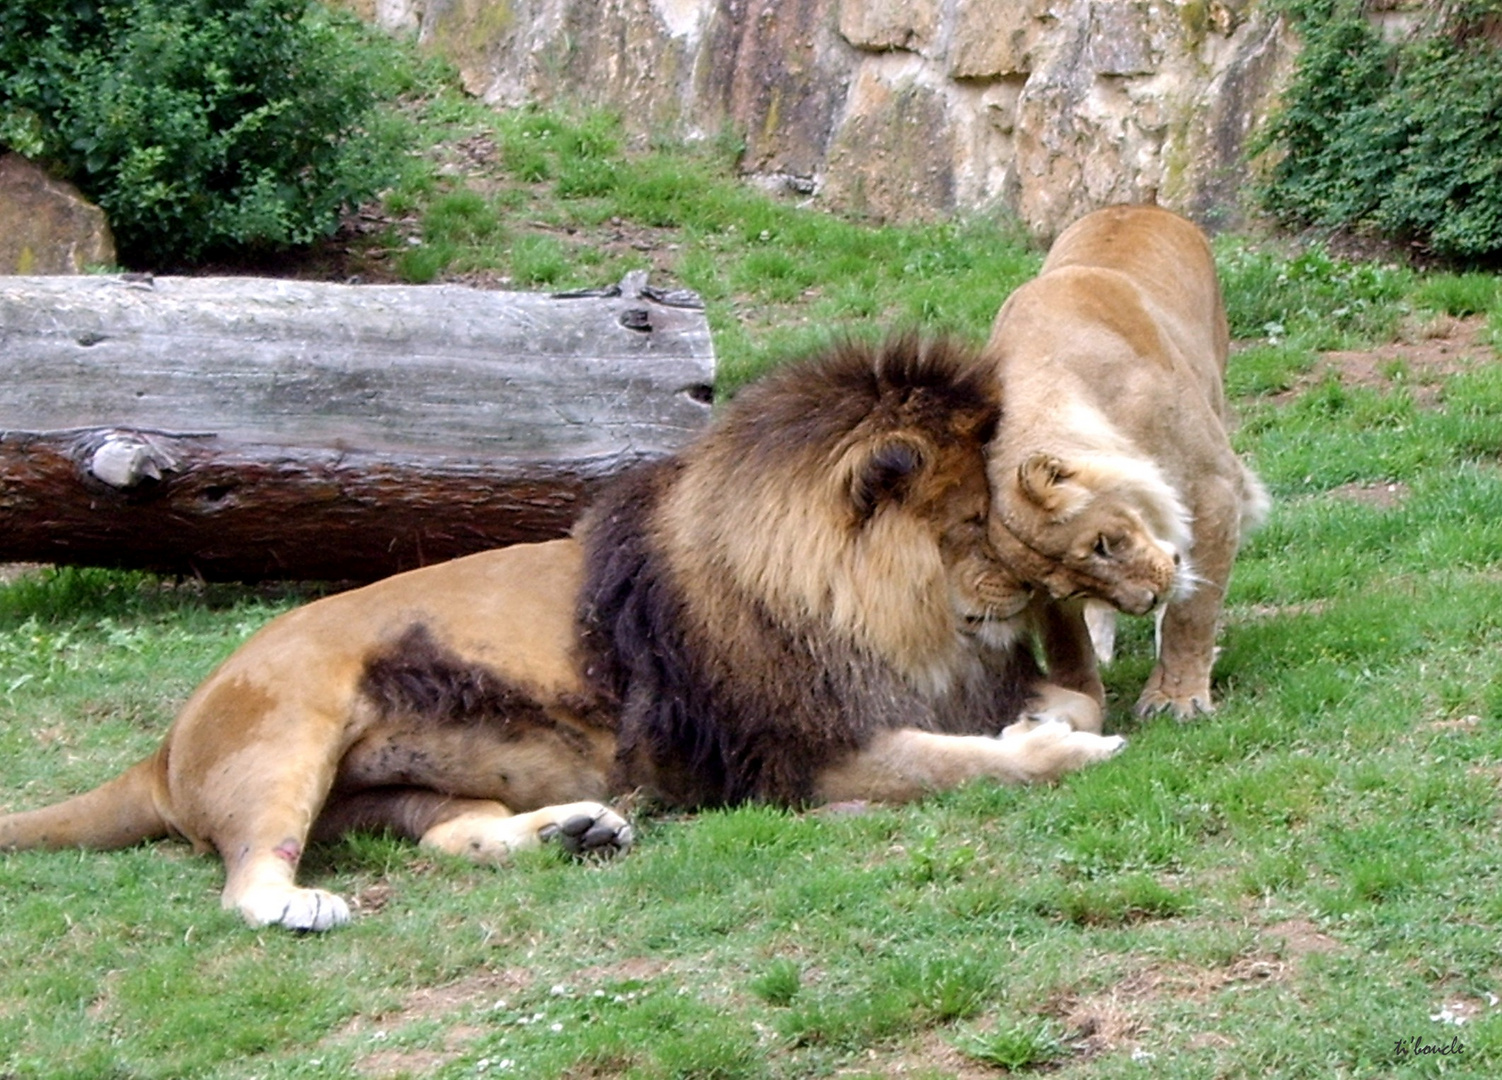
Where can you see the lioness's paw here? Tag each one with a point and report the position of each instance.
(590, 832)
(294, 908)
(1183, 706)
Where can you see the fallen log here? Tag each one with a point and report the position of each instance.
(246, 429)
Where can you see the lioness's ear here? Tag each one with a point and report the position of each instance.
(884, 474)
(1041, 477)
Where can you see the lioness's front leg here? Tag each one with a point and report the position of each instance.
(905, 764)
(1180, 680)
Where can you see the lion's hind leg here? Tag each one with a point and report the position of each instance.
(905, 763)
(255, 803)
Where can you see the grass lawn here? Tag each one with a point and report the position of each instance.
(1307, 884)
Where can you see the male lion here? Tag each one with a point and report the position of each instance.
(803, 605)
(1113, 475)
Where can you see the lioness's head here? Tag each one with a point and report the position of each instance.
(849, 493)
(1108, 528)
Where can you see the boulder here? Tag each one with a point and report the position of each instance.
(46, 226)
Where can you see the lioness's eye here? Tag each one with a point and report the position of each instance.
(1103, 547)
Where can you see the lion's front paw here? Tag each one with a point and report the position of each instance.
(596, 831)
(1052, 748)
(293, 907)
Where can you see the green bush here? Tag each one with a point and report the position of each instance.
(1400, 138)
(201, 126)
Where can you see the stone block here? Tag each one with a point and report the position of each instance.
(995, 39)
(885, 25)
(1119, 41)
(893, 158)
(46, 225)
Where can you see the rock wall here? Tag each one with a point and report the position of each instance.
(905, 109)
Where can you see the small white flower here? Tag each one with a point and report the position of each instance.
(555, 1027)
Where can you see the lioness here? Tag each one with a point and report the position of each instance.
(803, 605)
(1112, 364)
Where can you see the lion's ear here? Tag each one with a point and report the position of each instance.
(885, 474)
(1041, 477)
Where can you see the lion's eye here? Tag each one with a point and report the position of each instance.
(1103, 547)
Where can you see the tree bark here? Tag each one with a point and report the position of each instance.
(245, 429)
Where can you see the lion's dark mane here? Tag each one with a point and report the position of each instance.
(709, 722)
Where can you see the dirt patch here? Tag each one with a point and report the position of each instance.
(1425, 354)
(933, 1054)
(1116, 1017)
(1380, 496)
(1457, 723)
(439, 1003)
(461, 1007)
(1300, 937)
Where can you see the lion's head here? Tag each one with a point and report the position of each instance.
(1104, 527)
(817, 566)
(850, 493)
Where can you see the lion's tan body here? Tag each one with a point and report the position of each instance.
(1112, 363)
(484, 704)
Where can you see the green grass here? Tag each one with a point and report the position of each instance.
(1300, 886)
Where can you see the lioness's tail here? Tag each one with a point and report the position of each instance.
(116, 814)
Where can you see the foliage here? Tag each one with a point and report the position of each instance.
(1308, 297)
(201, 126)
(1403, 138)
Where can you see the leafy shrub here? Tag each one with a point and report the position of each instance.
(1401, 138)
(201, 126)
